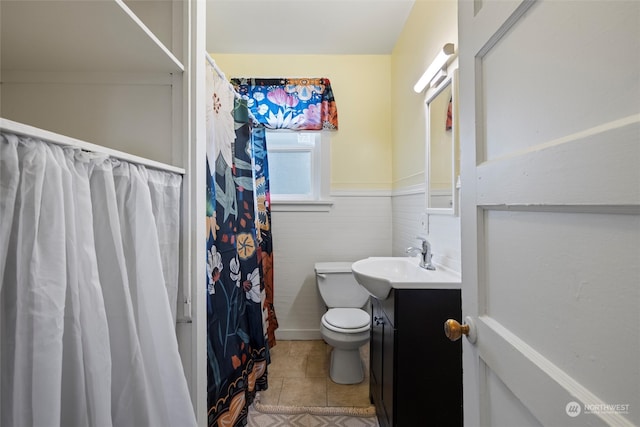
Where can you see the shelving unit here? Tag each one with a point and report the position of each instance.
(129, 76)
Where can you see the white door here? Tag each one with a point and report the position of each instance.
(550, 211)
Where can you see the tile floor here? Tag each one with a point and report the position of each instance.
(299, 376)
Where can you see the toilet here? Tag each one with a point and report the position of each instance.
(345, 326)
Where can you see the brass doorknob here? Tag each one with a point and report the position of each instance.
(454, 330)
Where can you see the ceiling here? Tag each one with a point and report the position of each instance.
(316, 27)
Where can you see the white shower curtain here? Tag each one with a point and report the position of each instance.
(88, 260)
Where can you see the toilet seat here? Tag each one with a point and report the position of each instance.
(346, 320)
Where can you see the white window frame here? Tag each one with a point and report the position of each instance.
(319, 200)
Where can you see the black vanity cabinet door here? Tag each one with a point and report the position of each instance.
(416, 372)
(381, 364)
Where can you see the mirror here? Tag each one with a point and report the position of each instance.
(442, 167)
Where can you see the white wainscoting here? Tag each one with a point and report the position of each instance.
(408, 212)
(410, 220)
(358, 225)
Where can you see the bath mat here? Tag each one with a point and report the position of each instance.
(368, 411)
(306, 419)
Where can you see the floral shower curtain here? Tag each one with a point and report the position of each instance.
(263, 209)
(240, 317)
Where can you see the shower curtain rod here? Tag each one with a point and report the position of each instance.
(212, 62)
(217, 69)
(55, 138)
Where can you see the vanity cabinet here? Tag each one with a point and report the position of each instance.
(415, 371)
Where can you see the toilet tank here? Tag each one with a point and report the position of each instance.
(338, 287)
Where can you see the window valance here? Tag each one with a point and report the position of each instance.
(290, 103)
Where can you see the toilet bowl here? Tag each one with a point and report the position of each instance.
(345, 326)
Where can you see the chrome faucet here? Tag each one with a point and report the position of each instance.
(425, 252)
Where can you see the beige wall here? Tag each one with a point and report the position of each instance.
(430, 25)
(361, 148)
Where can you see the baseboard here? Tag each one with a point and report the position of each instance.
(298, 334)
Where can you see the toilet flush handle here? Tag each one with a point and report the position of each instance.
(322, 275)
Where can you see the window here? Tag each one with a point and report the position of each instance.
(298, 169)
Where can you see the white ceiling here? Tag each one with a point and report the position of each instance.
(305, 26)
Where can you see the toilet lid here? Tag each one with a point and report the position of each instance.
(348, 319)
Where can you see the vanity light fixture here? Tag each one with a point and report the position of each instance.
(436, 66)
(438, 78)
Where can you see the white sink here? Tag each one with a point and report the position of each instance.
(379, 275)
